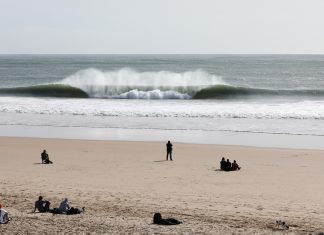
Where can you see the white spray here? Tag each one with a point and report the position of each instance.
(130, 84)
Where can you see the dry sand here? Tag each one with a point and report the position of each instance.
(122, 184)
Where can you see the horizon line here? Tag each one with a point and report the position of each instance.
(161, 54)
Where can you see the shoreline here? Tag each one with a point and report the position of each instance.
(14, 138)
(123, 183)
(263, 140)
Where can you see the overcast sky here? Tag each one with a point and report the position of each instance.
(161, 26)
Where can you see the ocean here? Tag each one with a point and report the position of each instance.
(262, 100)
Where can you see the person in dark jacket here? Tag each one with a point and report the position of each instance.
(228, 165)
(223, 164)
(169, 150)
(235, 166)
(42, 205)
(45, 158)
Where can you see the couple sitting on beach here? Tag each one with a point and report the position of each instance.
(64, 208)
(228, 166)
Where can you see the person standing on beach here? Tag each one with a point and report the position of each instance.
(169, 150)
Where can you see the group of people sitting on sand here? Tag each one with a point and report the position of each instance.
(228, 166)
(43, 206)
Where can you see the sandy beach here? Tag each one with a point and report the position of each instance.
(122, 184)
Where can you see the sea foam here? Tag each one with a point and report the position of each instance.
(130, 84)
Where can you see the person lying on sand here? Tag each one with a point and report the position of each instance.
(45, 158)
(42, 205)
(157, 219)
(4, 216)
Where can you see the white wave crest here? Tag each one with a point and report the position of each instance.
(130, 84)
(155, 94)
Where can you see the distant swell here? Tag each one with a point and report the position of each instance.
(51, 90)
(232, 92)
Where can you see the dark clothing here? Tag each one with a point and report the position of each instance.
(235, 166)
(223, 165)
(228, 166)
(169, 221)
(71, 211)
(169, 150)
(42, 206)
(47, 161)
(167, 156)
(45, 158)
(169, 147)
(55, 211)
(74, 211)
(157, 219)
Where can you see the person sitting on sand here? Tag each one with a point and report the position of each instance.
(42, 205)
(157, 219)
(227, 165)
(4, 217)
(169, 150)
(65, 208)
(45, 158)
(223, 164)
(235, 166)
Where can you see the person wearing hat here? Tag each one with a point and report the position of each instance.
(4, 217)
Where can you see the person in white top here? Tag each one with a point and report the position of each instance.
(4, 217)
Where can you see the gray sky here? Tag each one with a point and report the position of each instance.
(162, 26)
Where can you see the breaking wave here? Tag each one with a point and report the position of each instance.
(130, 84)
